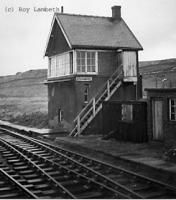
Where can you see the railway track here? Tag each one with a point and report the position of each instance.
(35, 169)
(83, 177)
(25, 172)
(9, 188)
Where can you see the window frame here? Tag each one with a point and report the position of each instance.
(73, 67)
(170, 109)
(54, 73)
(86, 61)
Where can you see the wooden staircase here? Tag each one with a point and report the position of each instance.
(88, 113)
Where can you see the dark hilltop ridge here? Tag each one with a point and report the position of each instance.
(39, 74)
(150, 67)
(158, 74)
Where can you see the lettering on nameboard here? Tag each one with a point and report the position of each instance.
(83, 78)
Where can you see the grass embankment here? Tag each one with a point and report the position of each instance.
(26, 111)
(36, 119)
(23, 98)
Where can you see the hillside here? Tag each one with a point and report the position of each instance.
(28, 74)
(156, 62)
(158, 74)
(27, 84)
(158, 66)
(23, 98)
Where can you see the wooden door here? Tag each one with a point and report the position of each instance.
(129, 64)
(157, 118)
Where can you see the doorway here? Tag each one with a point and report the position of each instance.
(157, 119)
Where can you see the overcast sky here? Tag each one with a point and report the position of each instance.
(23, 36)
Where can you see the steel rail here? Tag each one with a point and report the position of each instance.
(19, 185)
(97, 162)
(99, 177)
(114, 168)
(117, 194)
(57, 184)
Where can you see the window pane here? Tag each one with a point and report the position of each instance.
(88, 55)
(78, 68)
(49, 68)
(90, 61)
(60, 65)
(81, 61)
(53, 66)
(89, 68)
(71, 63)
(83, 69)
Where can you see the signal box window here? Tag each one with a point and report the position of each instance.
(86, 62)
(81, 61)
(127, 112)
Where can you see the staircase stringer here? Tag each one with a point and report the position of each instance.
(94, 106)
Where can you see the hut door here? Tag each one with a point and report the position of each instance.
(157, 109)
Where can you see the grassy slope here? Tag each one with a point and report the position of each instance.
(23, 98)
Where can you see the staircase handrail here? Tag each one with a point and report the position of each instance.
(110, 84)
(119, 69)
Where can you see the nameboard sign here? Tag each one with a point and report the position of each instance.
(83, 78)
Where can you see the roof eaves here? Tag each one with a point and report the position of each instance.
(104, 47)
(52, 23)
(77, 46)
(141, 48)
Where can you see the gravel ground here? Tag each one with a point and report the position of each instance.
(146, 158)
(118, 148)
